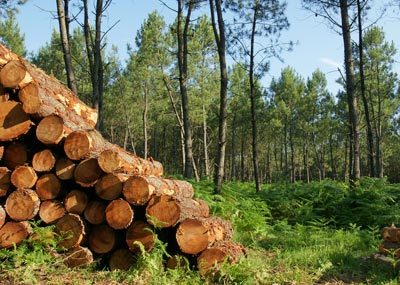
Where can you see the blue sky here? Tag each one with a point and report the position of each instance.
(318, 46)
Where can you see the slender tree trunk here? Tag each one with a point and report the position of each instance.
(145, 109)
(205, 143)
(292, 164)
(242, 158)
(317, 158)
(305, 162)
(233, 146)
(177, 116)
(379, 156)
(219, 35)
(351, 96)
(253, 101)
(370, 137)
(63, 23)
(182, 64)
(347, 157)
(286, 151)
(268, 170)
(333, 165)
(93, 48)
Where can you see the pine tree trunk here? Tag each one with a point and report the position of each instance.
(351, 96)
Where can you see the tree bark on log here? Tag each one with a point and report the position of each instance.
(22, 204)
(138, 190)
(210, 259)
(54, 97)
(14, 122)
(195, 235)
(116, 159)
(167, 211)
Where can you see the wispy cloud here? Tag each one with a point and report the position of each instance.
(330, 62)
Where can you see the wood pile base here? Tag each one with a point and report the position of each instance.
(103, 201)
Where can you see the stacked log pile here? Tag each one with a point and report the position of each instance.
(56, 168)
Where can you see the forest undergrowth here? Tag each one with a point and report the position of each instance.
(317, 233)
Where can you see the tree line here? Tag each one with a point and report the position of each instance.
(179, 100)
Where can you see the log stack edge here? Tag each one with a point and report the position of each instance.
(55, 168)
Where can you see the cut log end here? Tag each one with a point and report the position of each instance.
(109, 187)
(48, 187)
(71, 230)
(13, 233)
(140, 232)
(137, 190)
(14, 122)
(14, 75)
(95, 212)
(119, 214)
(121, 259)
(51, 211)
(192, 236)
(50, 130)
(15, 155)
(75, 202)
(162, 211)
(87, 172)
(65, 168)
(24, 177)
(78, 257)
(109, 161)
(22, 204)
(43, 161)
(77, 145)
(102, 239)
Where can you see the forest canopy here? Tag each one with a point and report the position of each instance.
(172, 100)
